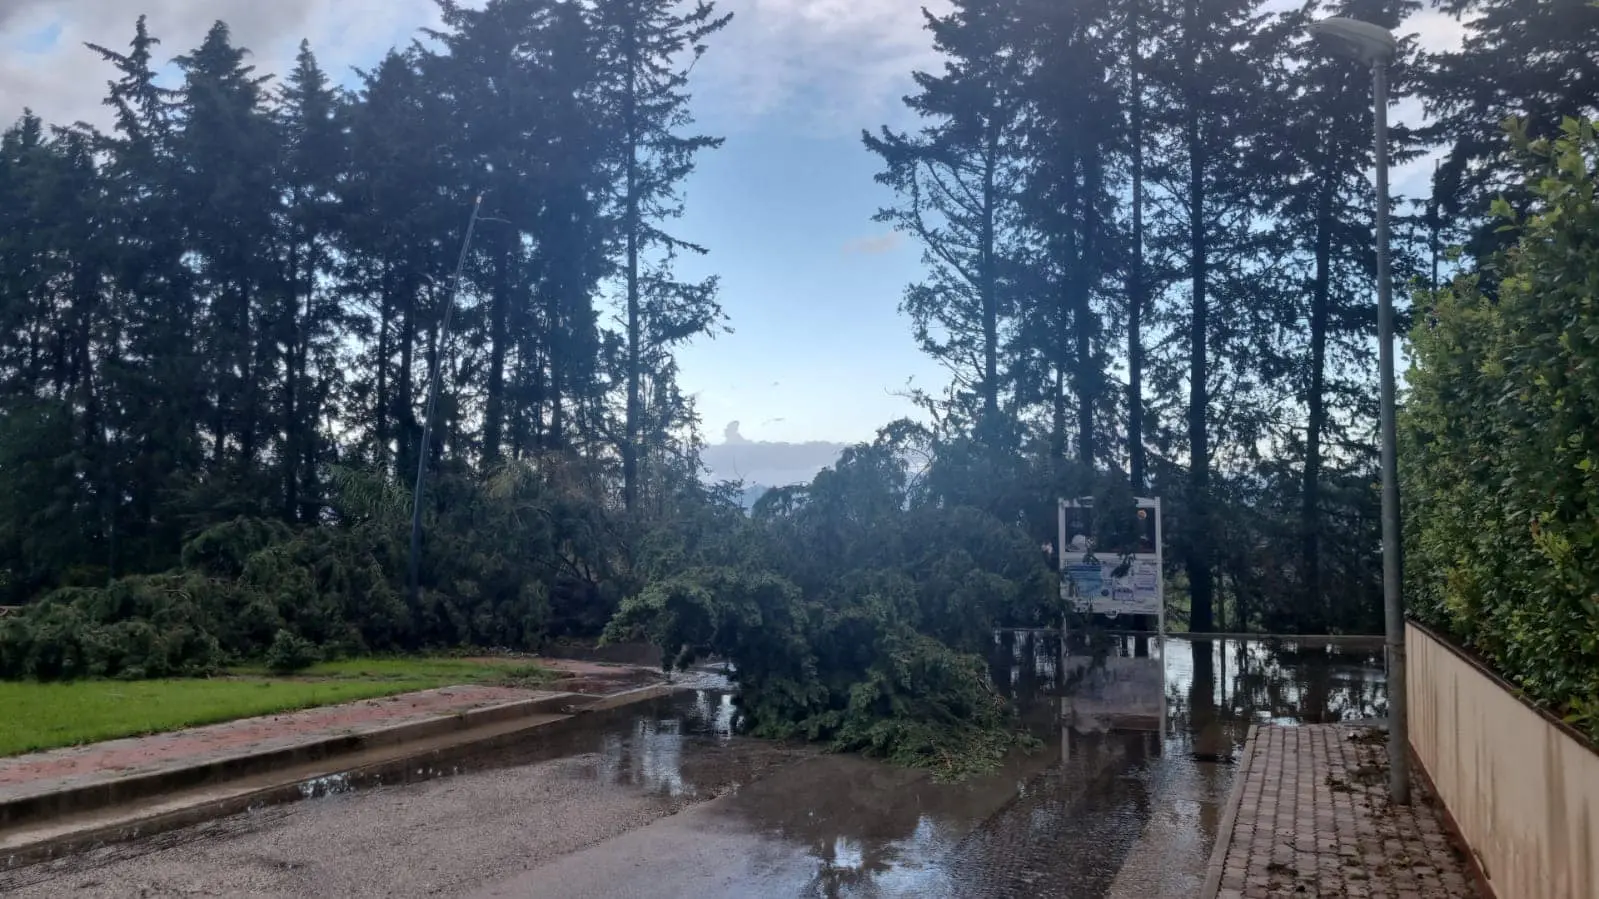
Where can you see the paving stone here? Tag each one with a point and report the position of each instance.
(1314, 820)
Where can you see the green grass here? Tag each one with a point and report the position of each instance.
(49, 715)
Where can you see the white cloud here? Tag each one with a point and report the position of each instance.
(824, 66)
(66, 81)
(875, 245)
(829, 67)
(1435, 30)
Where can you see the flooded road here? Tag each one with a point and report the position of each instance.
(1123, 799)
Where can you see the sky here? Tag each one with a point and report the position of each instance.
(818, 355)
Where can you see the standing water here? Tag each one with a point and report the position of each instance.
(1123, 799)
(1139, 740)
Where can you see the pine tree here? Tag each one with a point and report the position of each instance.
(1327, 222)
(1531, 60)
(395, 257)
(1072, 138)
(648, 48)
(959, 181)
(1209, 89)
(227, 192)
(152, 370)
(315, 157)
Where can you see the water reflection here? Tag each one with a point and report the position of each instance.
(1124, 798)
(650, 754)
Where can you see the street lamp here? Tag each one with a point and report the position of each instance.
(1375, 46)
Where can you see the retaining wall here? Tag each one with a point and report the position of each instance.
(1520, 786)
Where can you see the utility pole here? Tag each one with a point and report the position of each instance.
(414, 568)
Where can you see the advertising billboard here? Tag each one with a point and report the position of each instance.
(1112, 580)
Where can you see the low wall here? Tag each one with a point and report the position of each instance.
(1521, 787)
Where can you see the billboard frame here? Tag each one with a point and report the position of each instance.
(1157, 557)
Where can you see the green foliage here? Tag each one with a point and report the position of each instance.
(135, 627)
(855, 611)
(1501, 471)
(289, 653)
(509, 561)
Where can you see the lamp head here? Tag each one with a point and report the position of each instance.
(1352, 38)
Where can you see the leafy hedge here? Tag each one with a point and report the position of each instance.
(1500, 455)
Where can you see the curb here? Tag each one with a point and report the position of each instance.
(1229, 817)
(43, 807)
(333, 779)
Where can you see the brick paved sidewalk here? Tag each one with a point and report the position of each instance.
(1313, 819)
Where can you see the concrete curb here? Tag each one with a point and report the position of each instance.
(41, 807)
(1224, 830)
(332, 779)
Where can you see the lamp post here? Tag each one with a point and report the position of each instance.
(413, 566)
(1375, 46)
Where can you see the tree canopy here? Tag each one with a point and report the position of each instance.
(1147, 233)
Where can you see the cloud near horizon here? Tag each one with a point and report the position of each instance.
(876, 244)
(766, 462)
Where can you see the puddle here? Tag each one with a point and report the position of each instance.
(1124, 798)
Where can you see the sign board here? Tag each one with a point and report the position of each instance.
(1112, 580)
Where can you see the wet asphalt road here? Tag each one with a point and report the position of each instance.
(670, 803)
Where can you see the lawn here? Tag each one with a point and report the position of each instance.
(48, 715)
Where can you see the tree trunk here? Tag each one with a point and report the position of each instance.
(1070, 313)
(405, 393)
(635, 329)
(291, 381)
(382, 408)
(1310, 513)
(1087, 323)
(988, 282)
(1135, 273)
(555, 386)
(1199, 514)
(494, 401)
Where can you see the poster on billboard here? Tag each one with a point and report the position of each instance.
(1114, 587)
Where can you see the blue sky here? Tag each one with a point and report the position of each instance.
(810, 283)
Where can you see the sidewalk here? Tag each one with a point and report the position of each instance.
(59, 770)
(49, 792)
(1309, 816)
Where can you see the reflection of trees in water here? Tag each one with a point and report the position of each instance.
(869, 826)
(1045, 825)
(1068, 831)
(856, 820)
(1023, 664)
(651, 757)
(714, 713)
(1238, 682)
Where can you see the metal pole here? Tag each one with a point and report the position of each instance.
(1394, 615)
(414, 568)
